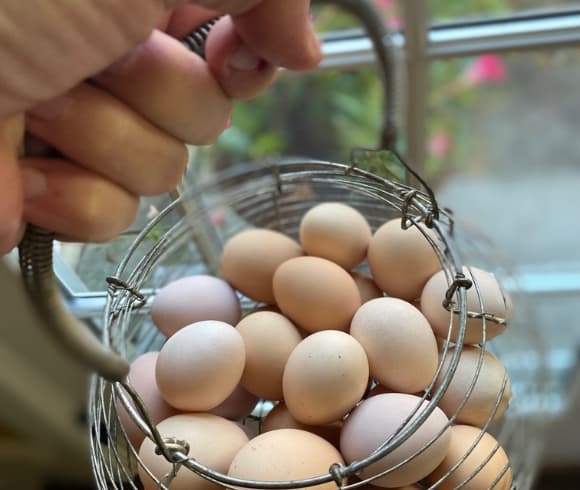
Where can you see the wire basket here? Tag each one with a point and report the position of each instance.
(276, 196)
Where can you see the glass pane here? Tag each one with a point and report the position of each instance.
(504, 154)
(328, 18)
(445, 10)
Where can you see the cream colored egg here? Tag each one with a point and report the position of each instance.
(199, 366)
(281, 418)
(325, 376)
(378, 418)
(399, 344)
(316, 294)
(485, 295)
(495, 474)
(366, 287)
(194, 299)
(142, 378)
(487, 379)
(269, 338)
(250, 258)
(401, 261)
(286, 454)
(213, 441)
(336, 232)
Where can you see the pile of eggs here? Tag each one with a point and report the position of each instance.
(345, 357)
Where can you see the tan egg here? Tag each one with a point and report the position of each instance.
(486, 391)
(486, 291)
(286, 454)
(336, 232)
(366, 287)
(280, 418)
(316, 294)
(495, 474)
(269, 338)
(194, 299)
(399, 344)
(142, 378)
(370, 486)
(325, 377)
(213, 441)
(199, 366)
(250, 258)
(236, 406)
(401, 261)
(378, 418)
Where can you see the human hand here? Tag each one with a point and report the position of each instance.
(106, 84)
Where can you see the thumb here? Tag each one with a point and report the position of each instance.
(11, 134)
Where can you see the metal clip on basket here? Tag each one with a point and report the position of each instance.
(262, 196)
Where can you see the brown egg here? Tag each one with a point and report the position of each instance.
(366, 287)
(193, 299)
(286, 454)
(378, 418)
(213, 441)
(250, 258)
(485, 291)
(199, 366)
(487, 388)
(142, 378)
(401, 261)
(325, 376)
(462, 439)
(316, 294)
(269, 338)
(336, 232)
(236, 406)
(399, 343)
(280, 418)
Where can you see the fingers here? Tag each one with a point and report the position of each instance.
(104, 135)
(172, 88)
(11, 132)
(76, 203)
(280, 31)
(241, 73)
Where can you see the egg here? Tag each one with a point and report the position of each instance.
(286, 454)
(142, 378)
(250, 258)
(269, 338)
(399, 343)
(325, 376)
(336, 232)
(401, 261)
(484, 295)
(236, 406)
(378, 418)
(193, 299)
(280, 418)
(316, 294)
(200, 365)
(495, 473)
(213, 441)
(482, 400)
(366, 287)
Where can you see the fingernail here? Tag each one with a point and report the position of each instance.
(244, 60)
(52, 109)
(228, 123)
(34, 183)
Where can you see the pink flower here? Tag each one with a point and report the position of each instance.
(217, 217)
(485, 68)
(384, 4)
(394, 22)
(440, 144)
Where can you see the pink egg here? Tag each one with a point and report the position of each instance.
(142, 379)
(236, 406)
(193, 299)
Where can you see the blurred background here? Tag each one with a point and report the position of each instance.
(489, 114)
